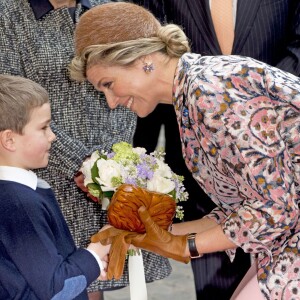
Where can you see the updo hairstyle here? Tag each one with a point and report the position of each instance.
(118, 33)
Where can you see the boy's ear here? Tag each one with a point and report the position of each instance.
(7, 140)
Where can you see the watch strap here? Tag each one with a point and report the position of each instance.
(192, 245)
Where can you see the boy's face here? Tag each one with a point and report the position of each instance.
(32, 147)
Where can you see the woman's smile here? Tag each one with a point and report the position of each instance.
(129, 104)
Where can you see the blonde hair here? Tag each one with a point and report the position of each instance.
(118, 34)
(18, 97)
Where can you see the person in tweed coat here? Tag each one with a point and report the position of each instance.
(36, 42)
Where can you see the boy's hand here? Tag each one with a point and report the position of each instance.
(102, 254)
(117, 255)
(103, 274)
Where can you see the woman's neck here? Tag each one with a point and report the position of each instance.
(166, 79)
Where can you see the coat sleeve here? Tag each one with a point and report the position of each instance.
(264, 161)
(67, 152)
(70, 152)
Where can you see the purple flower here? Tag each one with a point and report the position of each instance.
(110, 155)
(144, 171)
(131, 180)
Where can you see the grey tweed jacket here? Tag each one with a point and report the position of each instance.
(40, 49)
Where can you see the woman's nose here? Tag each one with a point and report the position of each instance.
(112, 101)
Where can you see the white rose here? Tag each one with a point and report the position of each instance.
(107, 169)
(87, 166)
(163, 169)
(160, 184)
(139, 150)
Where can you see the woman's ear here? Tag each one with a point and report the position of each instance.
(7, 140)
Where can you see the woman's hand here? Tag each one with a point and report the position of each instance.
(155, 239)
(79, 180)
(159, 240)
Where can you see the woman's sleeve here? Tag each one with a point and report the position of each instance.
(267, 168)
(67, 152)
(10, 60)
(263, 156)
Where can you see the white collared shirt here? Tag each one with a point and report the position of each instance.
(19, 175)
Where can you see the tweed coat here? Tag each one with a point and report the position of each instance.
(40, 48)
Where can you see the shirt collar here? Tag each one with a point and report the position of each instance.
(42, 7)
(18, 175)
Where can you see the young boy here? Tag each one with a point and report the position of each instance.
(38, 258)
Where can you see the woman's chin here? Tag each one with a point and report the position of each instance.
(142, 115)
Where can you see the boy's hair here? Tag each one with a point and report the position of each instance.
(18, 97)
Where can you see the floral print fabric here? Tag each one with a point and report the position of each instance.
(240, 130)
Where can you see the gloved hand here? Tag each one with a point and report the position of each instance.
(118, 250)
(159, 240)
(155, 239)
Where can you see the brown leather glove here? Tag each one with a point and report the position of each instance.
(159, 240)
(122, 211)
(118, 249)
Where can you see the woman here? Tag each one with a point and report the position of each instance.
(215, 276)
(239, 125)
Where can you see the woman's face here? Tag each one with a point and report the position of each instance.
(130, 86)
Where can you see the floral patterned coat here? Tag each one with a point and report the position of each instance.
(240, 130)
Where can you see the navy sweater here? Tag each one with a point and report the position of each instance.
(38, 257)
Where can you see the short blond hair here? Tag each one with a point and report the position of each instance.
(118, 34)
(18, 97)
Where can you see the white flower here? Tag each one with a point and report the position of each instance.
(126, 164)
(160, 184)
(87, 166)
(107, 169)
(138, 150)
(163, 169)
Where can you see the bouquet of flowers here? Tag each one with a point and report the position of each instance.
(104, 173)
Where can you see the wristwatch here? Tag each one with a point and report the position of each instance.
(192, 246)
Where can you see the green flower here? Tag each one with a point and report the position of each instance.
(123, 152)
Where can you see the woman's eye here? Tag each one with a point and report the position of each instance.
(107, 85)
